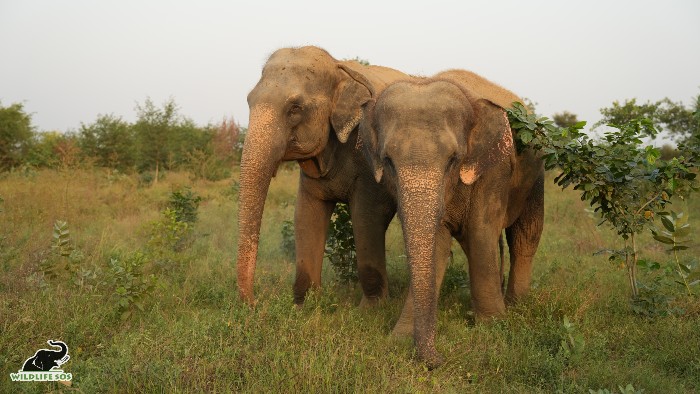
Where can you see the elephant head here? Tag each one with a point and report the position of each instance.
(45, 360)
(304, 105)
(426, 137)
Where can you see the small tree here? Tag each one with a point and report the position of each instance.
(565, 119)
(626, 183)
(110, 140)
(155, 134)
(678, 120)
(16, 132)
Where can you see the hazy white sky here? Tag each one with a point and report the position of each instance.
(70, 60)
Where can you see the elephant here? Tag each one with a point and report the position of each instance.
(444, 148)
(307, 107)
(45, 359)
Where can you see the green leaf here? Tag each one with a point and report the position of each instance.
(678, 247)
(525, 136)
(682, 232)
(662, 239)
(668, 224)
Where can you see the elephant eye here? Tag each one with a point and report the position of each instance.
(295, 109)
(294, 115)
(452, 161)
(388, 163)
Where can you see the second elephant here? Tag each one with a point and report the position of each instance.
(445, 148)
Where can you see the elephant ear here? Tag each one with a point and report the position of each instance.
(353, 91)
(370, 140)
(489, 141)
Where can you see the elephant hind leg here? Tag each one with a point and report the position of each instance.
(523, 237)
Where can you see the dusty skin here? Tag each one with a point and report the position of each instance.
(306, 107)
(446, 153)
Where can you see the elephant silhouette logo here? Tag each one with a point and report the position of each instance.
(45, 359)
(44, 364)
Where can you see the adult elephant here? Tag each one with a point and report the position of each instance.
(45, 359)
(446, 152)
(306, 107)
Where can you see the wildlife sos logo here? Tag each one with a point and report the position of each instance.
(42, 366)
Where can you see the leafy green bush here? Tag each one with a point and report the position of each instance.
(128, 284)
(184, 204)
(455, 278)
(287, 245)
(627, 184)
(340, 246)
(63, 257)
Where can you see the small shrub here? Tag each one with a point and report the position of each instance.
(455, 278)
(287, 245)
(129, 285)
(340, 247)
(63, 257)
(572, 342)
(168, 237)
(626, 184)
(184, 203)
(232, 191)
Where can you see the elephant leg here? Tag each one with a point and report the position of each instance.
(443, 239)
(480, 244)
(311, 220)
(523, 238)
(370, 219)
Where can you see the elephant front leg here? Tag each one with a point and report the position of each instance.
(523, 238)
(481, 248)
(443, 247)
(370, 219)
(311, 219)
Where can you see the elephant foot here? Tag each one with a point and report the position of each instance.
(370, 302)
(431, 357)
(402, 329)
(514, 297)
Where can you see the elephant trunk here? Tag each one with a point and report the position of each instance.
(63, 351)
(420, 211)
(264, 147)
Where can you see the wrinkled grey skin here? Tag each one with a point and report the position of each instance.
(306, 107)
(447, 156)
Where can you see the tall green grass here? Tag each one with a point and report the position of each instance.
(195, 336)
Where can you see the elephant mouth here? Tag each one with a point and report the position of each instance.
(297, 150)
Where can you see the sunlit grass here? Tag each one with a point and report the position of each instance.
(195, 336)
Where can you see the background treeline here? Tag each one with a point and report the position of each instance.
(161, 139)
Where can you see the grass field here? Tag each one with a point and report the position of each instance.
(574, 333)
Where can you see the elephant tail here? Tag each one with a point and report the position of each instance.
(503, 261)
